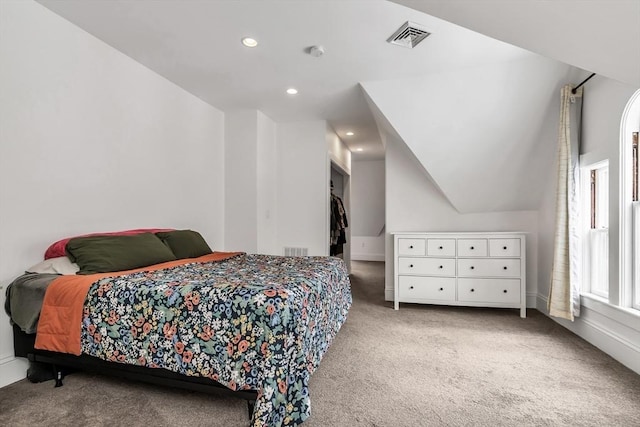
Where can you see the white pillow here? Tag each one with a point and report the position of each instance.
(60, 265)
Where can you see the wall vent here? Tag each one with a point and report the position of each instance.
(409, 35)
(296, 251)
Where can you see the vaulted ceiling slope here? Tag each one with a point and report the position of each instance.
(485, 135)
(602, 36)
(196, 45)
(477, 112)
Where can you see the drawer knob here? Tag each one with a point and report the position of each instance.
(442, 289)
(411, 287)
(504, 247)
(472, 248)
(472, 267)
(410, 246)
(440, 247)
(440, 267)
(505, 267)
(410, 265)
(505, 291)
(473, 290)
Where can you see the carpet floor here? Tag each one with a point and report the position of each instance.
(419, 366)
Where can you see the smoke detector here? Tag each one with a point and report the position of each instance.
(409, 35)
(316, 51)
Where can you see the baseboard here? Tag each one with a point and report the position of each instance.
(541, 304)
(388, 295)
(532, 300)
(367, 257)
(12, 369)
(604, 337)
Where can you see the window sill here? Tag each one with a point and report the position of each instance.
(627, 316)
(586, 298)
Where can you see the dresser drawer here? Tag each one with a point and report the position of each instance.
(490, 267)
(441, 247)
(427, 266)
(504, 247)
(427, 288)
(411, 247)
(489, 290)
(472, 247)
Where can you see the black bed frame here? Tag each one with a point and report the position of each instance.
(56, 363)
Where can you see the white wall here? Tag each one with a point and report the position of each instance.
(303, 186)
(615, 331)
(241, 192)
(91, 140)
(414, 203)
(267, 175)
(338, 150)
(277, 183)
(250, 182)
(367, 210)
(483, 133)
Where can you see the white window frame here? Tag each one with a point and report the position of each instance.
(628, 293)
(600, 289)
(635, 253)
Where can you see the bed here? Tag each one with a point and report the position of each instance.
(257, 325)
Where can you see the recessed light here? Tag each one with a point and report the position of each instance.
(349, 133)
(359, 149)
(249, 42)
(292, 91)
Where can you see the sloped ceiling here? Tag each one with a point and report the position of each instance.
(602, 36)
(478, 113)
(485, 135)
(196, 45)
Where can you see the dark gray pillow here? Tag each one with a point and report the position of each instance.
(104, 254)
(185, 243)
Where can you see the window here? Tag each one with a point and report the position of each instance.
(628, 292)
(596, 236)
(635, 218)
(634, 166)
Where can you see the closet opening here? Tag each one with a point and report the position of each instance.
(339, 238)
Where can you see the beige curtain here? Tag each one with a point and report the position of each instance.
(564, 294)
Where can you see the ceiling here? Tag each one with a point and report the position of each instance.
(197, 45)
(602, 36)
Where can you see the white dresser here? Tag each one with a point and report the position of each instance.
(472, 269)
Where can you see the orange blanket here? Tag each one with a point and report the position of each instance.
(60, 324)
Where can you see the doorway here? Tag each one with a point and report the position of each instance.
(341, 180)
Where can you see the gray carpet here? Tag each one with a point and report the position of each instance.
(420, 366)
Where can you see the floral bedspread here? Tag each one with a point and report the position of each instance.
(253, 322)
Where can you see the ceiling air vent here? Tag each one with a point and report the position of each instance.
(409, 35)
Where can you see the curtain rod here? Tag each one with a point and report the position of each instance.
(583, 82)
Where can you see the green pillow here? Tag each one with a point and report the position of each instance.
(104, 254)
(185, 243)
